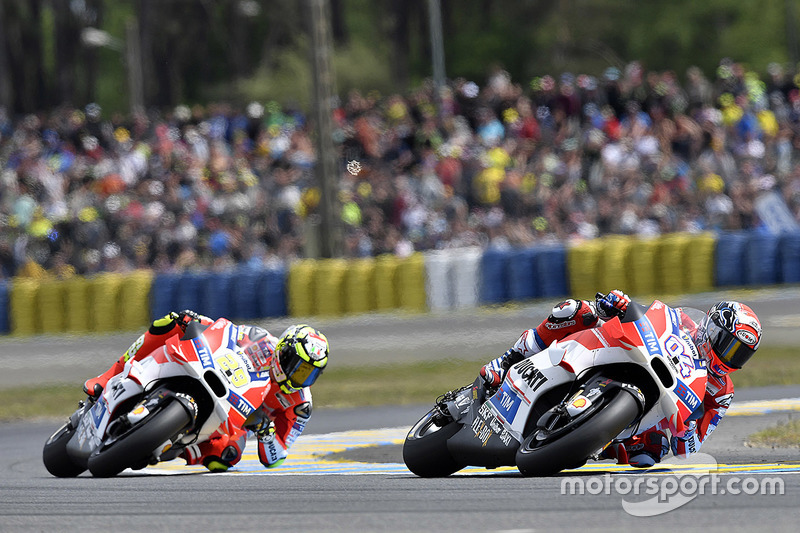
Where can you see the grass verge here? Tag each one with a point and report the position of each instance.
(385, 384)
(784, 435)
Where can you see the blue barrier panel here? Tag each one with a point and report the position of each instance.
(245, 293)
(272, 293)
(729, 258)
(189, 292)
(551, 271)
(217, 294)
(4, 326)
(790, 258)
(762, 259)
(494, 281)
(163, 293)
(522, 279)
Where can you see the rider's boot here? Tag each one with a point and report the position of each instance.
(94, 386)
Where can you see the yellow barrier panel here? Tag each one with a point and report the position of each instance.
(673, 249)
(300, 288)
(104, 298)
(700, 263)
(135, 298)
(411, 283)
(329, 287)
(644, 268)
(584, 268)
(52, 310)
(386, 282)
(22, 301)
(79, 311)
(359, 286)
(614, 270)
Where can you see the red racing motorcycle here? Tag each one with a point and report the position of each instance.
(175, 397)
(558, 408)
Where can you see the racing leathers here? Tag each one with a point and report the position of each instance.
(280, 419)
(649, 447)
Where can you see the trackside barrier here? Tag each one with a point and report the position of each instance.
(614, 266)
(494, 278)
(272, 293)
(673, 263)
(762, 261)
(218, 295)
(4, 306)
(105, 301)
(51, 308)
(729, 263)
(134, 308)
(438, 286)
(328, 291)
(163, 296)
(466, 272)
(551, 270)
(700, 261)
(523, 283)
(23, 296)
(300, 287)
(411, 283)
(359, 286)
(386, 282)
(245, 295)
(790, 258)
(584, 264)
(76, 300)
(644, 268)
(453, 278)
(188, 292)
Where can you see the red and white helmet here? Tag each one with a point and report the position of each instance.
(728, 336)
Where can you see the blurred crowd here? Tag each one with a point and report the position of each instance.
(561, 158)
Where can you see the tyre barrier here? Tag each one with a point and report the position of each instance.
(437, 280)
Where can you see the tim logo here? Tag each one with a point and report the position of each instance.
(203, 353)
(648, 336)
(506, 403)
(240, 404)
(686, 395)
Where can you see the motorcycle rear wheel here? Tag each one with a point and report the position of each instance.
(56, 459)
(425, 450)
(136, 446)
(573, 448)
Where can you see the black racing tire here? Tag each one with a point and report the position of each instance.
(573, 448)
(56, 459)
(425, 450)
(135, 447)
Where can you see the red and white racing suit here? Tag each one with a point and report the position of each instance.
(288, 413)
(572, 316)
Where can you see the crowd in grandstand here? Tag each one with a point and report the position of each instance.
(560, 158)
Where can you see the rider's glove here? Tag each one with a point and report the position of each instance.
(494, 371)
(615, 303)
(688, 443)
(185, 317)
(270, 452)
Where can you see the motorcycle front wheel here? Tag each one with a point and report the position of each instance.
(539, 456)
(56, 459)
(425, 450)
(136, 447)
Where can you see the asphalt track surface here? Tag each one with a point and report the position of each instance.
(344, 472)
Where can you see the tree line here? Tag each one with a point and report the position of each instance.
(202, 50)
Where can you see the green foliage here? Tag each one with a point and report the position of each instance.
(784, 435)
